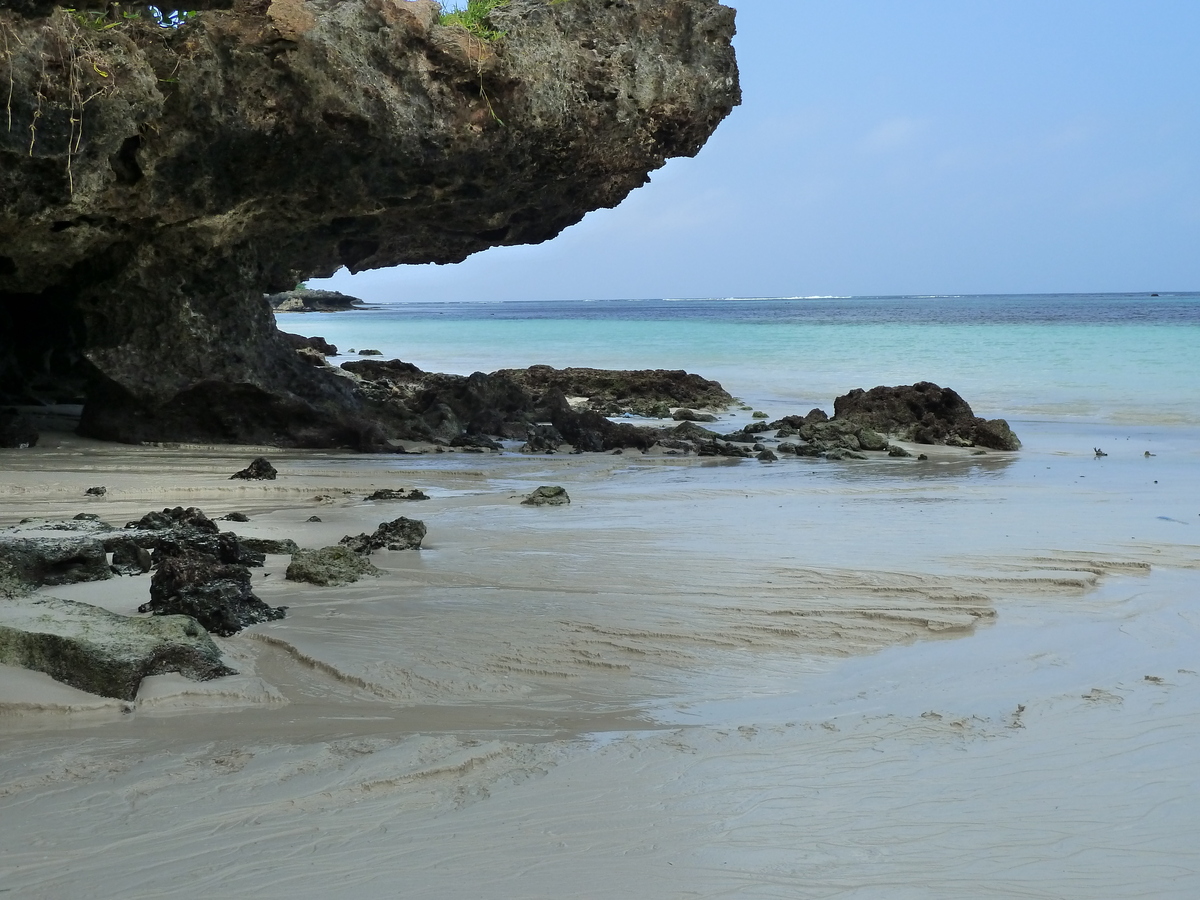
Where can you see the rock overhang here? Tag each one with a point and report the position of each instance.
(175, 175)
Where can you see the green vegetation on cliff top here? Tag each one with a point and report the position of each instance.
(474, 18)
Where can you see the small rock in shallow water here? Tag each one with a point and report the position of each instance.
(399, 534)
(766, 456)
(259, 470)
(96, 491)
(547, 495)
(402, 494)
(690, 415)
(235, 517)
(313, 519)
(900, 452)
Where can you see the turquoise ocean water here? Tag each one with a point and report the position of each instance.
(1104, 358)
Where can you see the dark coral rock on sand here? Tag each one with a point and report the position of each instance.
(258, 470)
(924, 413)
(401, 494)
(399, 534)
(215, 594)
(174, 532)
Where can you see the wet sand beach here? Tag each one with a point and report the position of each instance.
(971, 676)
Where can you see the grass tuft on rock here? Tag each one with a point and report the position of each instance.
(474, 18)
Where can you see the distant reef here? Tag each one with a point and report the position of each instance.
(156, 182)
(306, 300)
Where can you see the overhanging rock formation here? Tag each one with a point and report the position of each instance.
(154, 183)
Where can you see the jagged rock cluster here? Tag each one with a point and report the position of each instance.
(532, 404)
(155, 183)
(201, 585)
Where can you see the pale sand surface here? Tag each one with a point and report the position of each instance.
(974, 677)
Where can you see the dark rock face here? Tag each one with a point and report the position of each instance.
(128, 558)
(317, 344)
(215, 594)
(258, 470)
(253, 148)
(179, 531)
(16, 431)
(399, 534)
(614, 392)
(35, 562)
(458, 410)
(926, 414)
(101, 652)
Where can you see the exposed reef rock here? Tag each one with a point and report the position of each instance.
(398, 534)
(615, 392)
(524, 403)
(154, 184)
(215, 594)
(926, 414)
(179, 531)
(33, 562)
(101, 652)
(329, 566)
(548, 495)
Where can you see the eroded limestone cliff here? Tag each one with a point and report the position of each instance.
(154, 183)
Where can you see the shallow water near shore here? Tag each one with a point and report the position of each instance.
(971, 676)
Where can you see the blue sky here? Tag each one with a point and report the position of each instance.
(899, 147)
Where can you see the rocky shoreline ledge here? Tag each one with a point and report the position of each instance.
(198, 580)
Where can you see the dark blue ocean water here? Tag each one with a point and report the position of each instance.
(997, 309)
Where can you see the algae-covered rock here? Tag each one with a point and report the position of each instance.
(101, 652)
(547, 495)
(35, 562)
(329, 566)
